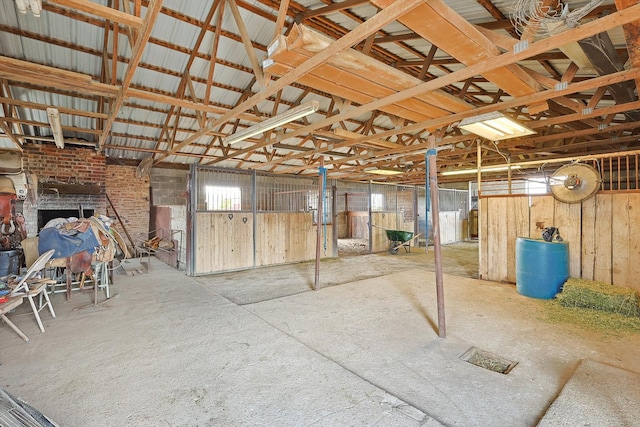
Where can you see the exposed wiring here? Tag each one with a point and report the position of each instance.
(506, 158)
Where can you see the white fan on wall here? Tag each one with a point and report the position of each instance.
(574, 182)
(144, 167)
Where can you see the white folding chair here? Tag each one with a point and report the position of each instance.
(32, 285)
(8, 306)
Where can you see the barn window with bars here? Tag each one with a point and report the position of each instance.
(220, 198)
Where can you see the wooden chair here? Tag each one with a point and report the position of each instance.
(32, 285)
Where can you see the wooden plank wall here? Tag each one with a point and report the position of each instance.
(288, 237)
(502, 220)
(224, 241)
(626, 239)
(358, 224)
(603, 234)
(449, 227)
(382, 220)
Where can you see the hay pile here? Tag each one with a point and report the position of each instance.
(596, 305)
(581, 293)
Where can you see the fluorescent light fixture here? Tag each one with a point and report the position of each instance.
(494, 126)
(483, 170)
(286, 117)
(34, 5)
(384, 171)
(56, 127)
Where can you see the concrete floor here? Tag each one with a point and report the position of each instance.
(260, 348)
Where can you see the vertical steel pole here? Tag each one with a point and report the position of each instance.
(254, 212)
(479, 179)
(369, 224)
(435, 212)
(321, 174)
(426, 201)
(334, 222)
(192, 225)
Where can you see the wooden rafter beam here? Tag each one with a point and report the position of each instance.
(632, 36)
(331, 8)
(586, 30)
(9, 134)
(214, 51)
(136, 55)
(43, 107)
(185, 76)
(101, 11)
(440, 122)
(282, 15)
(43, 75)
(246, 41)
(370, 26)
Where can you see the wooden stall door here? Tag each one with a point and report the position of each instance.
(224, 241)
(287, 237)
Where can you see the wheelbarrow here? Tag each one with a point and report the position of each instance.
(400, 238)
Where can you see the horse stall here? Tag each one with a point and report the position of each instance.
(366, 210)
(247, 219)
(352, 217)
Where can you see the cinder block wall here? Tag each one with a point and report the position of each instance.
(168, 187)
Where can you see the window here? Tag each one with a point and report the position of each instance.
(377, 202)
(223, 198)
(537, 186)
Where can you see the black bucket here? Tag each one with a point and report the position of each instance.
(9, 262)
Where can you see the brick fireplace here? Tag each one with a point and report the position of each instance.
(68, 179)
(63, 206)
(79, 177)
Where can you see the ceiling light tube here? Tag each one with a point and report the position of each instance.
(36, 7)
(22, 6)
(483, 170)
(494, 126)
(279, 120)
(384, 171)
(56, 128)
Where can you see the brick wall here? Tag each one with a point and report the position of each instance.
(130, 198)
(71, 165)
(78, 165)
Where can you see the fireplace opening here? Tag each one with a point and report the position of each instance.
(46, 215)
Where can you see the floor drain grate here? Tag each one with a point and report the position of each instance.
(488, 361)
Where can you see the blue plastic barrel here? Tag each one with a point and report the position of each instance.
(9, 262)
(541, 267)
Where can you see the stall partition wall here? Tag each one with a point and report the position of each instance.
(454, 215)
(364, 210)
(352, 210)
(603, 233)
(247, 219)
